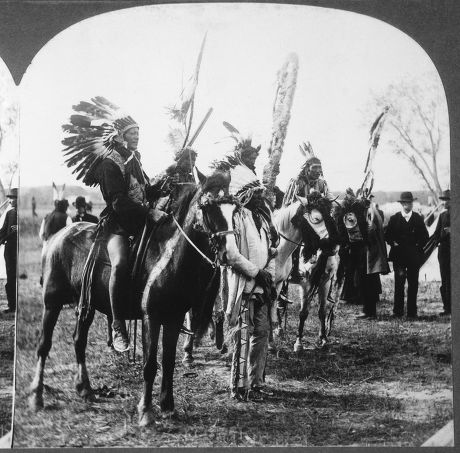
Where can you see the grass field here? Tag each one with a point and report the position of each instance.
(385, 382)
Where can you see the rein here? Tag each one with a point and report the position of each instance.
(287, 239)
(214, 265)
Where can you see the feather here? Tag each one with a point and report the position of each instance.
(91, 134)
(307, 150)
(232, 129)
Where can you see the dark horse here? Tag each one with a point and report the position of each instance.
(173, 278)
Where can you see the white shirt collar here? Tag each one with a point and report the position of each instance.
(406, 216)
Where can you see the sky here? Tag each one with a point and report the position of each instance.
(9, 143)
(139, 57)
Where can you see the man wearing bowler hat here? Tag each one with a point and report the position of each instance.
(407, 234)
(442, 238)
(9, 237)
(82, 214)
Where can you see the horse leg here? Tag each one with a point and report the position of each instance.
(219, 329)
(80, 338)
(150, 334)
(303, 315)
(170, 336)
(326, 299)
(281, 307)
(50, 317)
(188, 344)
(109, 330)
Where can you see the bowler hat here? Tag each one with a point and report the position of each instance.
(79, 202)
(13, 193)
(406, 197)
(445, 195)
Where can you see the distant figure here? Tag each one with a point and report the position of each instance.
(82, 214)
(442, 237)
(34, 207)
(55, 220)
(407, 234)
(9, 237)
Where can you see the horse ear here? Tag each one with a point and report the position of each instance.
(303, 200)
(201, 177)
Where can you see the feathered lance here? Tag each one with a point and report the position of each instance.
(374, 137)
(287, 80)
(182, 112)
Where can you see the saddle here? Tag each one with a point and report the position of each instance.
(98, 257)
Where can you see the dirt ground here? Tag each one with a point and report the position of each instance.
(6, 361)
(385, 382)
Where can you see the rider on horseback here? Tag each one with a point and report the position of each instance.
(309, 179)
(106, 143)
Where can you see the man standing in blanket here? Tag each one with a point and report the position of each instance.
(250, 275)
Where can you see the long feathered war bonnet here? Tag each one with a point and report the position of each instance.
(94, 131)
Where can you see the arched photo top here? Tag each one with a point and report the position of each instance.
(140, 58)
(291, 81)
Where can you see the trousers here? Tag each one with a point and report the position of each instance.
(250, 344)
(444, 268)
(403, 273)
(10, 255)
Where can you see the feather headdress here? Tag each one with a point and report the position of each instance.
(93, 133)
(233, 158)
(306, 150)
(243, 180)
(58, 194)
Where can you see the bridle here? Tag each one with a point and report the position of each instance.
(215, 237)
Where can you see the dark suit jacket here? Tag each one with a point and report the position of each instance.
(410, 236)
(442, 233)
(7, 234)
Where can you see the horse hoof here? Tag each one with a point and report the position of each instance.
(169, 415)
(271, 348)
(35, 402)
(298, 346)
(224, 349)
(321, 343)
(85, 392)
(146, 417)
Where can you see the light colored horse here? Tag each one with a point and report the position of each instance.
(291, 238)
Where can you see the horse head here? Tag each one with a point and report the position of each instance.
(353, 215)
(217, 210)
(316, 224)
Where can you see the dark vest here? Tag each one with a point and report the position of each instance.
(54, 222)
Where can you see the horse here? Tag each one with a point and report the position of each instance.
(174, 276)
(294, 232)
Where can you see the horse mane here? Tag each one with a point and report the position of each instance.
(284, 216)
